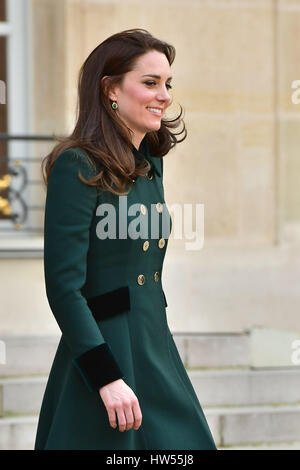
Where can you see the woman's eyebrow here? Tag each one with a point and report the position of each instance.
(155, 76)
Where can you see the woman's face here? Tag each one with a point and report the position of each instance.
(144, 94)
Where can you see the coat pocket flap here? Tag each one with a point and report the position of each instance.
(110, 304)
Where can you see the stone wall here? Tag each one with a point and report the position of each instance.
(235, 64)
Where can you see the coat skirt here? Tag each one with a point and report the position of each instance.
(107, 297)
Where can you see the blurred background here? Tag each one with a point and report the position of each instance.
(233, 306)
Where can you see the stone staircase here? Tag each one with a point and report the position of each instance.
(246, 407)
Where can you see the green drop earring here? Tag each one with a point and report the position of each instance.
(114, 105)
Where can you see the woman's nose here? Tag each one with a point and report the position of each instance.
(163, 94)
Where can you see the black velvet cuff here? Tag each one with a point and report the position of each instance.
(98, 367)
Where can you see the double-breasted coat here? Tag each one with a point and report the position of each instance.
(107, 297)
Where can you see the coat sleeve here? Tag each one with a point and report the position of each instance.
(69, 209)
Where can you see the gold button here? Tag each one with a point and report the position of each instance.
(145, 245)
(159, 207)
(156, 276)
(143, 209)
(161, 243)
(141, 279)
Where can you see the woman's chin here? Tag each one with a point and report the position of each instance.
(154, 126)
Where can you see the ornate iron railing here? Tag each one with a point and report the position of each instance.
(16, 179)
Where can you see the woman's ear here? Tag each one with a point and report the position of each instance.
(108, 90)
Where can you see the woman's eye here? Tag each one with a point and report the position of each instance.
(150, 83)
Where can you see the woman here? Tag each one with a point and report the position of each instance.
(117, 367)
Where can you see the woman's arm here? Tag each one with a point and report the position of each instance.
(70, 204)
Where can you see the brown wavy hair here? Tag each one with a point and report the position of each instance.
(99, 131)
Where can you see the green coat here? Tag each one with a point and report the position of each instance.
(107, 298)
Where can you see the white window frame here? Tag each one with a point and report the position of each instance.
(18, 98)
(17, 29)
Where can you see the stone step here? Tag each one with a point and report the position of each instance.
(227, 387)
(250, 425)
(246, 386)
(18, 432)
(209, 350)
(34, 354)
(295, 445)
(256, 347)
(21, 394)
(28, 355)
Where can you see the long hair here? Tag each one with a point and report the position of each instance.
(99, 132)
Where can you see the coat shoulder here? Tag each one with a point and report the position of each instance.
(76, 158)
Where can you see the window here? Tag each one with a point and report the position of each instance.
(3, 108)
(15, 115)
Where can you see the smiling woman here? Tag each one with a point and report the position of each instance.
(117, 367)
(114, 97)
(138, 100)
